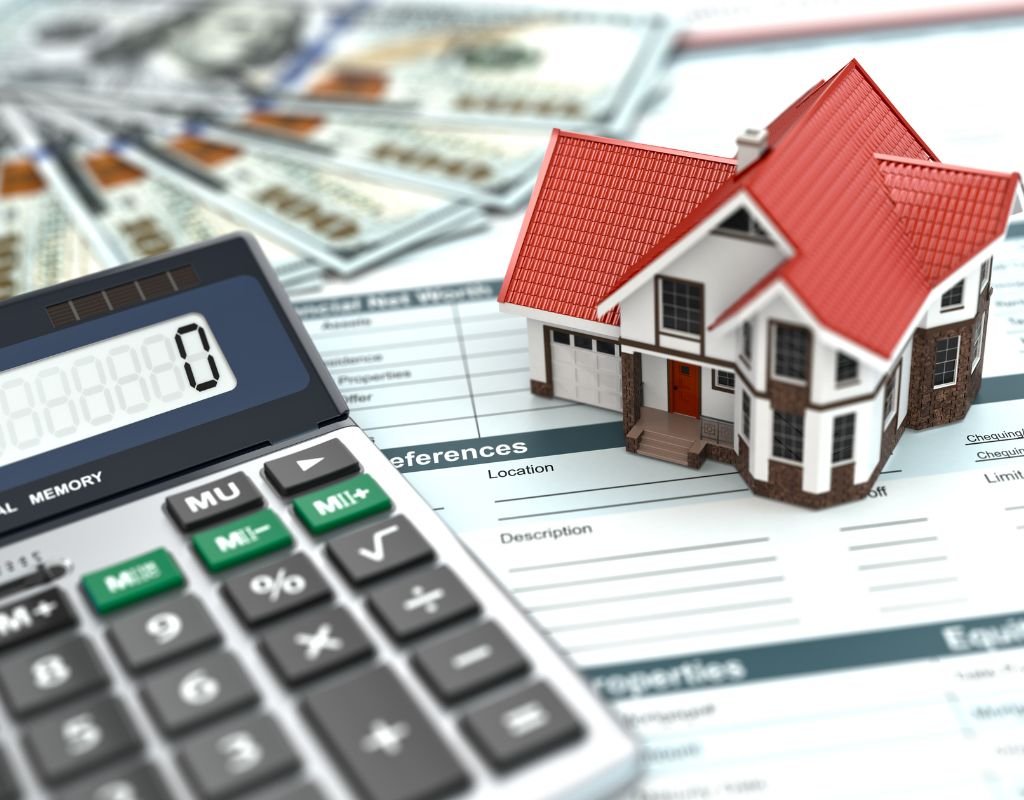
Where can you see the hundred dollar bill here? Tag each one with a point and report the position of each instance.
(560, 67)
(39, 244)
(347, 223)
(493, 167)
(125, 212)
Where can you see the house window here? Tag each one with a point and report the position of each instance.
(723, 380)
(561, 337)
(889, 398)
(792, 346)
(842, 437)
(846, 369)
(606, 347)
(584, 342)
(681, 306)
(954, 298)
(742, 224)
(746, 416)
(748, 339)
(788, 430)
(986, 273)
(977, 338)
(947, 353)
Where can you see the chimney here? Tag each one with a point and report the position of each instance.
(750, 146)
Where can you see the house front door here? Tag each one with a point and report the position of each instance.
(684, 388)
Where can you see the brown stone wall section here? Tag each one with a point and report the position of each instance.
(929, 407)
(632, 389)
(542, 389)
(546, 387)
(785, 480)
(789, 398)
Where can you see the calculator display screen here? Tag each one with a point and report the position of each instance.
(136, 378)
(81, 393)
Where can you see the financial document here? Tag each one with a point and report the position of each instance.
(756, 649)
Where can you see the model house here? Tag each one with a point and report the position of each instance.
(790, 310)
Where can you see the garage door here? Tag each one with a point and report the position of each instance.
(586, 369)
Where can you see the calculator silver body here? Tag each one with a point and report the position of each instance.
(601, 763)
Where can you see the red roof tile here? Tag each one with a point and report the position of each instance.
(872, 234)
(948, 213)
(599, 206)
(856, 266)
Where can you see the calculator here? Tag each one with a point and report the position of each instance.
(213, 585)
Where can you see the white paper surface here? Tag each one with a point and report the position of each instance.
(756, 649)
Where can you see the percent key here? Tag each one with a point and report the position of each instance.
(276, 589)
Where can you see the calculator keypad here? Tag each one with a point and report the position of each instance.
(68, 743)
(214, 501)
(236, 756)
(380, 549)
(314, 643)
(205, 700)
(421, 602)
(198, 691)
(44, 676)
(381, 738)
(276, 589)
(163, 631)
(521, 726)
(8, 787)
(36, 615)
(469, 662)
(310, 467)
(141, 782)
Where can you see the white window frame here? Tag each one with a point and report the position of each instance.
(986, 273)
(956, 365)
(775, 349)
(977, 341)
(844, 382)
(746, 414)
(943, 308)
(853, 439)
(664, 329)
(803, 440)
(720, 387)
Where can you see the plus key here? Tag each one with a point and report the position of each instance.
(382, 739)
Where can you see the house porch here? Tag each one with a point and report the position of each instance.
(680, 439)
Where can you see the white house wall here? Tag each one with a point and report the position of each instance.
(760, 442)
(936, 317)
(818, 424)
(714, 402)
(655, 380)
(535, 343)
(905, 359)
(727, 266)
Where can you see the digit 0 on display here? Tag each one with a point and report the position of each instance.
(109, 384)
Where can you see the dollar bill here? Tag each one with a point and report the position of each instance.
(555, 67)
(122, 214)
(347, 223)
(493, 167)
(39, 244)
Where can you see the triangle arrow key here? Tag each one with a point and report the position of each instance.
(306, 464)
